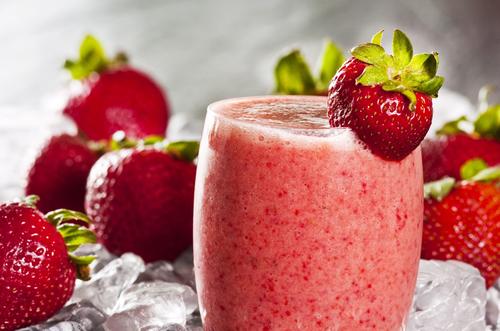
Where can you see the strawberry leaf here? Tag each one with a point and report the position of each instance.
(392, 86)
(472, 167)
(92, 59)
(82, 265)
(487, 125)
(370, 53)
(372, 75)
(432, 86)
(184, 150)
(487, 175)
(119, 140)
(439, 189)
(377, 38)
(401, 72)
(82, 260)
(401, 48)
(152, 140)
(293, 76)
(74, 236)
(31, 200)
(452, 127)
(59, 216)
(330, 61)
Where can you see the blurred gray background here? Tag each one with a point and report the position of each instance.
(201, 51)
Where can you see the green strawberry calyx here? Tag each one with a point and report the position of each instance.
(474, 170)
(293, 75)
(439, 189)
(400, 72)
(486, 124)
(92, 59)
(69, 225)
(185, 150)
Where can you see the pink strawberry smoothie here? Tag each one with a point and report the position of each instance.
(298, 226)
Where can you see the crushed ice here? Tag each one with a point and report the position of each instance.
(127, 295)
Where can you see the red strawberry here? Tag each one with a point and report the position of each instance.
(59, 173)
(385, 99)
(37, 276)
(141, 200)
(443, 156)
(462, 221)
(114, 97)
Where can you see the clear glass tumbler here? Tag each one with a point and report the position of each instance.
(299, 226)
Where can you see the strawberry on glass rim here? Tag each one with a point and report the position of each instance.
(114, 96)
(385, 99)
(462, 218)
(38, 262)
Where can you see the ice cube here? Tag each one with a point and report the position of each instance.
(105, 286)
(176, 300)
(146, 317)
(194, 328)
(493, 307)
(79, 316)
(183, 267)
(449, 296)
(160, 270)
(151, 305)
(83, 312)
(194, 321)
(173, 327)
(62, 326)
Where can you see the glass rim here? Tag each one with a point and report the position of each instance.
(322, 131)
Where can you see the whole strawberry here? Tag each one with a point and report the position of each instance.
(462, 219)
(59, 173)
(385, 99)
(114, 96)
(444, 155)
(141, 200)
(37, 266)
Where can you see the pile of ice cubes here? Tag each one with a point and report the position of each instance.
(125, 294)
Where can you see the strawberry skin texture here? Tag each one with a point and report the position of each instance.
(142, 201)
(445, 155)
(465, 226)
(36, 275)
(380, 118)
(59, 173)
(119, 99)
